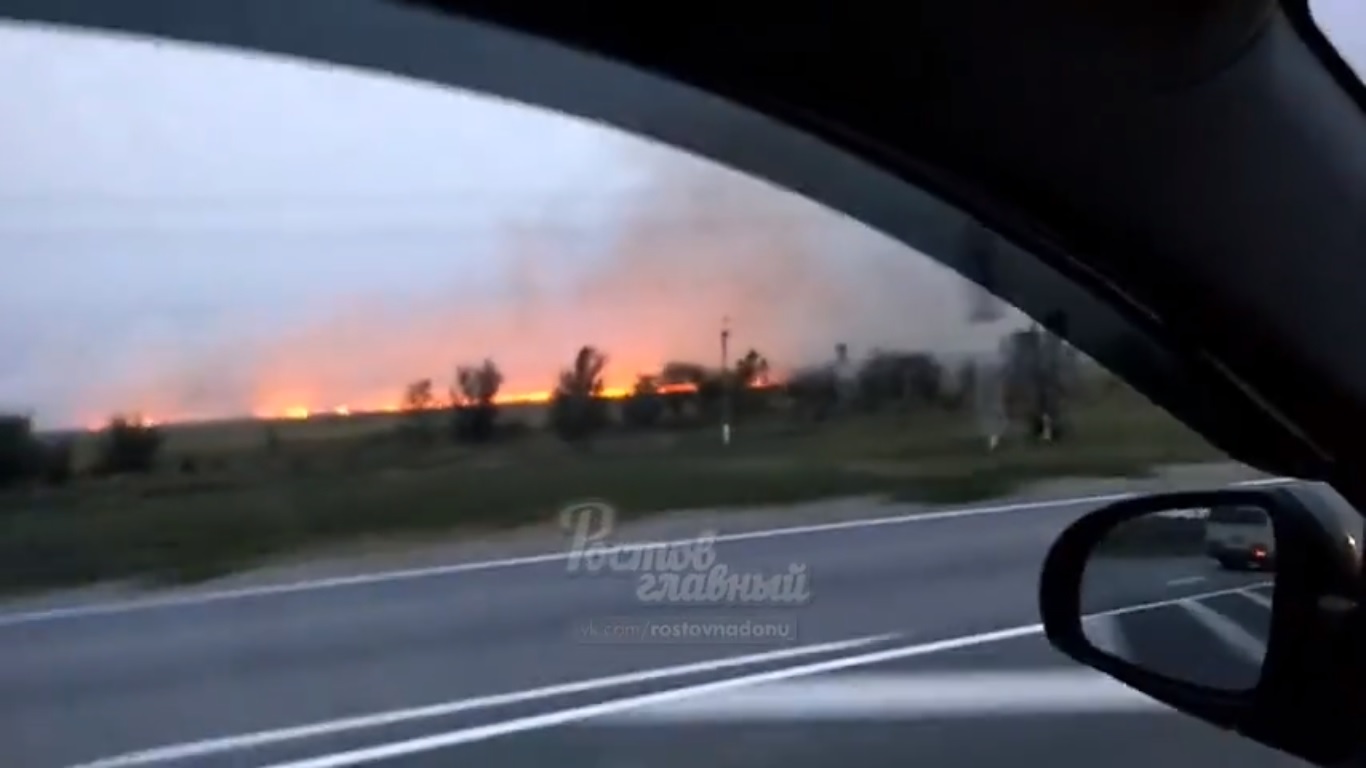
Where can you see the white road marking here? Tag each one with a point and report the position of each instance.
(170, 601)
(614, 706)
(172, 753)
(391, 717)
(1105, 633)
(1228, 630)
(932, 695)
(1174, 601)
(907, 696)
(1186, 580)
(203, 598)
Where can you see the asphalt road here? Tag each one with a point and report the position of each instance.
(531, 663)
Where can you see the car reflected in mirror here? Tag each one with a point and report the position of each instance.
(1185, 594)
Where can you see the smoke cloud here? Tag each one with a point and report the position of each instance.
(690, 244)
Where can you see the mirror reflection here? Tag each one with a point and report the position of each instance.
(1185, 594)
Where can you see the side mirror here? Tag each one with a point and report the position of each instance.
(1242, 607)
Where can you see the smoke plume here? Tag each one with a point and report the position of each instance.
(690, 245)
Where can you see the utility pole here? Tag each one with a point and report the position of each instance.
(725, 381)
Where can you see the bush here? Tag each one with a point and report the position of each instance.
(813, 392)
(578, 409)
(419, 403)
(17, 450)
(645, 407)
(56, 460)
(475, 418)
(905, 377)
(642, 411)
(128, 446)
(576, 417)
(474, 423)
(25, 457)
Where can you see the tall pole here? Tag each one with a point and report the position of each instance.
(725, 381)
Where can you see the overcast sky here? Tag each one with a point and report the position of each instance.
(195, 232)
(1344, 22)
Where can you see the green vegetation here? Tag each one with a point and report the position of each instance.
(578, 411)
(185, 502)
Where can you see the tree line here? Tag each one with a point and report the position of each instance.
(1032, 386)
(125, 446)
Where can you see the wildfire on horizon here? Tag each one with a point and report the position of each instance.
(395, 405)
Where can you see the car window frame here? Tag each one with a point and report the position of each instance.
(843, 172)
(1301, 18)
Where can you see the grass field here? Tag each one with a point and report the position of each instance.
(336, 479)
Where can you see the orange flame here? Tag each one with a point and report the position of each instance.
(301, 412)
(298, 411)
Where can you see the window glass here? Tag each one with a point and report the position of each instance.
(1344, 24)
(329, 401)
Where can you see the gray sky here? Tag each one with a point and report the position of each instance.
(195, 232)
(1344, 22)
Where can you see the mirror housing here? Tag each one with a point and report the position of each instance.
(1310, 699)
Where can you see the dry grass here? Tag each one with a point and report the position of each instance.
(335, 480)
